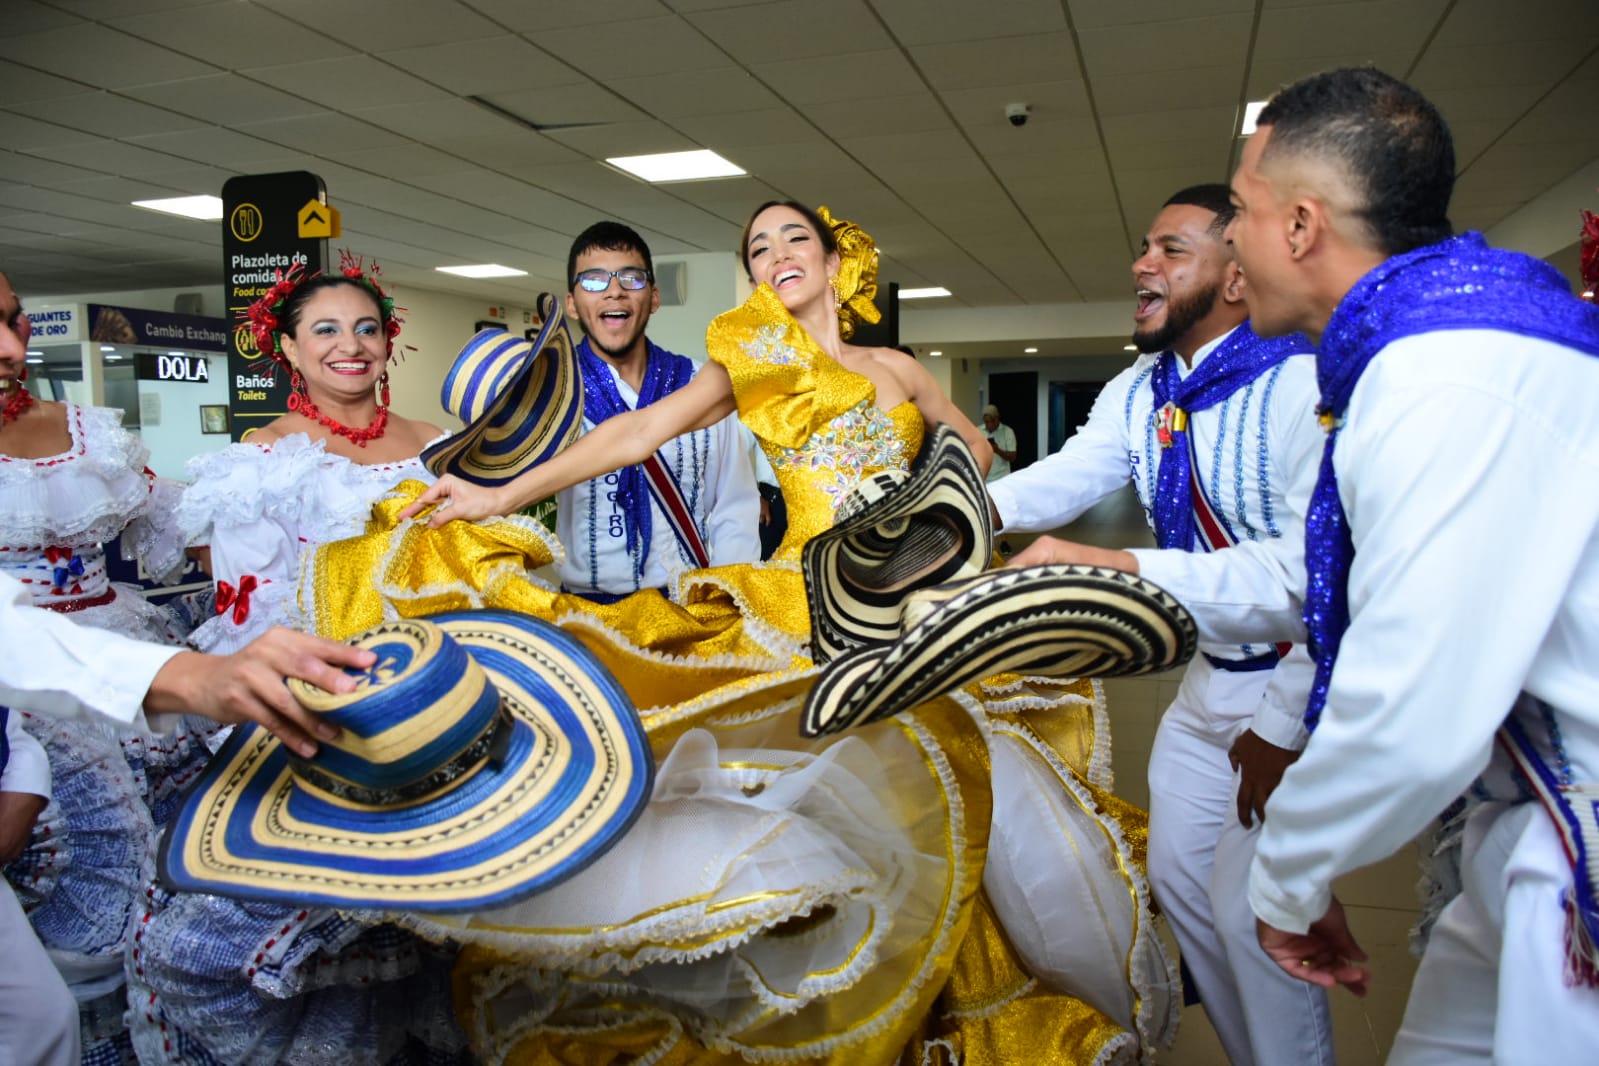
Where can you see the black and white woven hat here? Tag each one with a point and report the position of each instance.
(896, 532)
(1056, 621)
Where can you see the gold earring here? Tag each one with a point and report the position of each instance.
(838, 297)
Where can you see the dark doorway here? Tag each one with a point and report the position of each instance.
(1016, 396)
(1069, 404)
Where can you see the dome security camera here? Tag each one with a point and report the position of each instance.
(1017, 113)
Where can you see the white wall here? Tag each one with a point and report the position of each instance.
(712, 286)
(211, 301)
(177, 436)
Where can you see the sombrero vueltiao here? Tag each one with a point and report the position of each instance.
(896, 532)
(521, 400)
(486, 755)
(1057, 621)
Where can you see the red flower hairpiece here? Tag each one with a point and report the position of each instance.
(265, 316)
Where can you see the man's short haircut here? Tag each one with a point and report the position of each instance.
(1217, 199)
(612, 237)
(1391, 143)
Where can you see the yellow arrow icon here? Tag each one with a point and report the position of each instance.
(318, 219)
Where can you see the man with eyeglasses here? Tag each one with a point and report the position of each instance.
(694, 503)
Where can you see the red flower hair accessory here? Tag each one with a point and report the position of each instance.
(265, 316)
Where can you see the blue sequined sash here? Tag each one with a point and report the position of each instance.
(1456, 284)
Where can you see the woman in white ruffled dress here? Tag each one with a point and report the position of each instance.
(215, 980)
(72, 479)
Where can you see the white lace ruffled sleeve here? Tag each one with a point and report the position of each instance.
(83, 496)
(259, 509)
(154, 537)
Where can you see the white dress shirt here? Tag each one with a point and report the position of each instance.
(1469, 468)
(60, 668)
(713, 468)
(1257, 452)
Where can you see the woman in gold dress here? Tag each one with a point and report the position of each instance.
(834, 900)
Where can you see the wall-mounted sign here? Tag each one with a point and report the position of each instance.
(132, 325)
(55, 322)
(261, 238)
(148, 366)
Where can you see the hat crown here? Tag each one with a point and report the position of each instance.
(423, 715)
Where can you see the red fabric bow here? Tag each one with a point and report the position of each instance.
(237, 598)
(55, 555)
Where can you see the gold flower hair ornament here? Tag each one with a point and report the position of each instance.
(856, 283)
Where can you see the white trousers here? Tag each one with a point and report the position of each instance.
(38, 1016)
(1199, 858)
(1491, 986)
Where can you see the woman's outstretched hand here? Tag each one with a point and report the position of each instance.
(452, 498)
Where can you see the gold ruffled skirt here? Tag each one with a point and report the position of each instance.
(841, 899)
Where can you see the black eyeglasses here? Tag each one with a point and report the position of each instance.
(597, 280)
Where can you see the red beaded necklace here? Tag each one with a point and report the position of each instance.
(299, 401)
(18, 400)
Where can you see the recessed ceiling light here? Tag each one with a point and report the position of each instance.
(207, 208)
(483, 270)
(1129, 347)
(107, 348)
(1029, 351)
(677, 166)
(116, 356)
(923, 294)
(935, 352)
(1252, 111)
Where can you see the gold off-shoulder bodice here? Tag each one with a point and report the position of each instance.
(819, 424)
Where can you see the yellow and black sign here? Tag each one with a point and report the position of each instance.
(275, 223)
(318, 219)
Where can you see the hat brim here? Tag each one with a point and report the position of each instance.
(575, 774)
(1056, 621)
(894, 534)
(537, 408)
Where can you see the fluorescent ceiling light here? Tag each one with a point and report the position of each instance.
(33, 360)
(923, 294)
(207, 208)
(483, 270)
(935, 353)
(1029, 351)
(1129, 347)
(35, 353)
(177, 353)
(677, 166)
(107, 348)
(1252, 111)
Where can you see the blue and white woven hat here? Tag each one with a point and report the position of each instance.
(487, 755)
(521, 400)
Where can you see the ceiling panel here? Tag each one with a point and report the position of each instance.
(384, 25)
(99, 56)
(889, 111)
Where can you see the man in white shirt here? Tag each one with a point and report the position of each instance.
(1003, 440)
(1209, 412)
(1452, 574)
(637, 528)
(56, 667)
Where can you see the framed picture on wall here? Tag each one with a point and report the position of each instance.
(213, 418)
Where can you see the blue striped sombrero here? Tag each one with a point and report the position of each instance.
(487, 755)
(521, 401)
